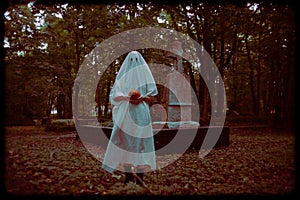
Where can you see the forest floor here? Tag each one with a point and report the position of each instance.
(257, 162)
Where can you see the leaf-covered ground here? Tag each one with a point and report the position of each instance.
(259, 162)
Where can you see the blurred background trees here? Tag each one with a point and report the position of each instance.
(252, 44)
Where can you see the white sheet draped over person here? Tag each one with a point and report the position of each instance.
(131, 142)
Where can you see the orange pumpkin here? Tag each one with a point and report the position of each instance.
(135, 94)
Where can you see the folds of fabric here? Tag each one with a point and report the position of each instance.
(131, 140)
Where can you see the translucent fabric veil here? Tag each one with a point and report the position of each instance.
(132, 137)
(134, 73)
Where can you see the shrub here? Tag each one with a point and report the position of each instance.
(60, 126)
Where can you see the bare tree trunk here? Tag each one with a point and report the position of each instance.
(270, 100)
(49, 105)
(234, 86)
(60, 102)
(98, 101)
(68, 103)
(107, 98)
(258, 69)
(207, 40)
(251, 76)
(290, 108)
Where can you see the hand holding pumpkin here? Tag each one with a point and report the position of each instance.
(135, 97)
(134, 94)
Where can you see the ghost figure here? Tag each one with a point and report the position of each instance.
(131, 142)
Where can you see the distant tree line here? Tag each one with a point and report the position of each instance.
(252, 44)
